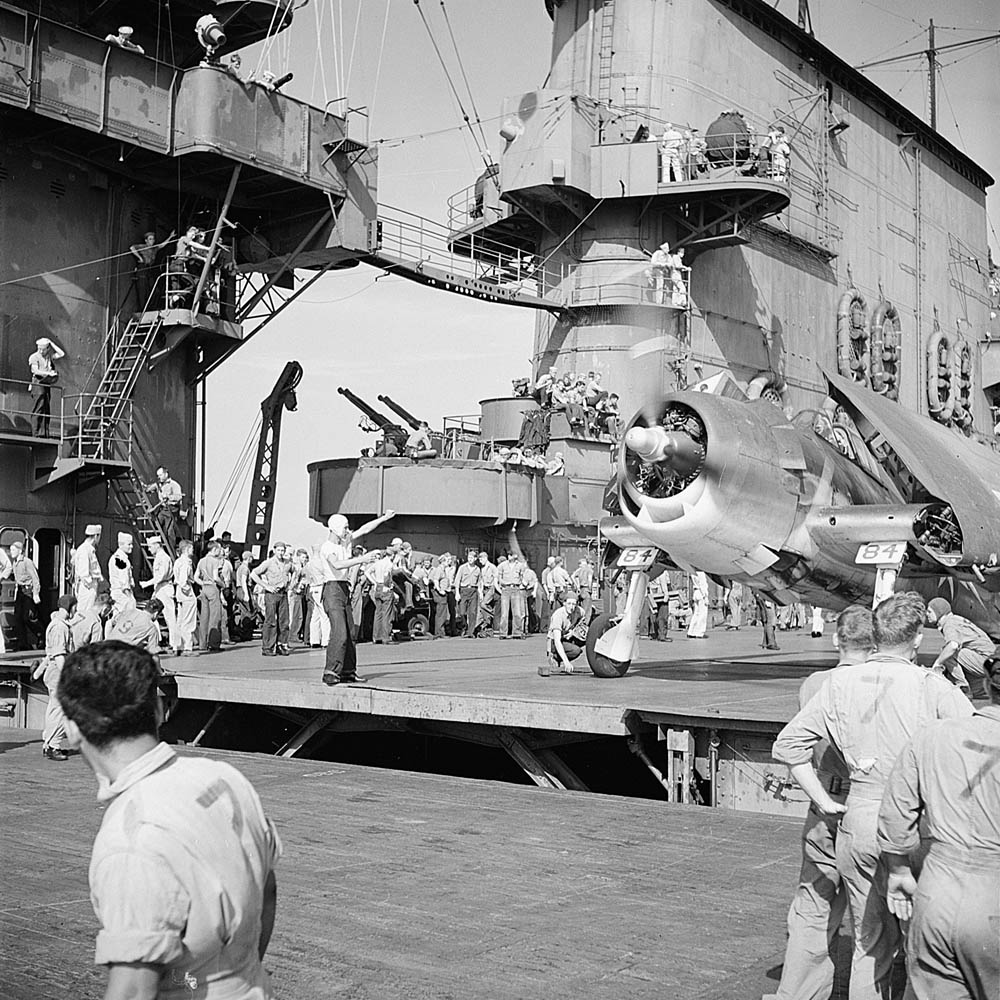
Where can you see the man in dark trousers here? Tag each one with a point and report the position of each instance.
(27, 597)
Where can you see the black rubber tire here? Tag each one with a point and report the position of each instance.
(601, 665)
(417, 626)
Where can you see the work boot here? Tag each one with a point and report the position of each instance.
(54, 753)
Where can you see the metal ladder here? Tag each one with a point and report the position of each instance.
(100, 420)
(135, 505)
(606, 52)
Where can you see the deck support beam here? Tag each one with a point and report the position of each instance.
(211, 719)
(319, 721)
(543, 766)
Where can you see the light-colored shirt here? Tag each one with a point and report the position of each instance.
(273, 573)
(826, 758)
(467, 575)
(86, 567)
(583, 578)
(120, 573)
(242, 581)
(529, 581)
(487, 578)
(26, 576)
(974, 645)
(58, 637)
(182, 578)
(510, 574)
(948, 775)
(136, 627)
(559, 579)
(331, 552)
(86, 629)
(419, 439)
(163, 574)
(379, 573)
(6, 566)
(868, 711)
(41, 365)
(177, 875)
(169, 493)
(207, 571)
(561, 624)
(443, 578)
(699, 587)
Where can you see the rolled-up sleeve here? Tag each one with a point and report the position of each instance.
(142, 909)
(899, 814)
(796, 741)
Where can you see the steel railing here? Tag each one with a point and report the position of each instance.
(88, 433)
(17, 409)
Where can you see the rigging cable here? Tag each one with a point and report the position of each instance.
(451, 84)
(378, 65)
(237, 469)
(354, 45)
(465, 78)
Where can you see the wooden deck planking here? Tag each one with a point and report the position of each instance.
(401, 885)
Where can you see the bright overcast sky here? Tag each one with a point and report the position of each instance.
(436, 353)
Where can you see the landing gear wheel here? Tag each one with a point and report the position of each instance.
(417, 626)
(601, 665)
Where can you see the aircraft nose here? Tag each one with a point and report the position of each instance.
(675, 449)
(644, 441)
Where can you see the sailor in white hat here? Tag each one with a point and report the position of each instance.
(336, 560)
(124, 40)
(162, 582)
(87, 570)
(120, 574)
(41, 364)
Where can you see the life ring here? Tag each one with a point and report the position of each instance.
(853, 359)
(942, 389)
(885, 340)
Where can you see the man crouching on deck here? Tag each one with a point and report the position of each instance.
(182, 870)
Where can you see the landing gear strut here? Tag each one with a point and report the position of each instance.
(612, 639)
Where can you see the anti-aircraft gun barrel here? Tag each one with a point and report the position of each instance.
(379, 419)
(405, 414)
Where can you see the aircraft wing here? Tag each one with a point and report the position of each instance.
(941, 464)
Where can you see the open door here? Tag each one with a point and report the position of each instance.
(8, 535)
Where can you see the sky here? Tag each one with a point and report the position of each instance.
(438, 354)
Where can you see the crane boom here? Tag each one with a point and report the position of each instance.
(265, 473)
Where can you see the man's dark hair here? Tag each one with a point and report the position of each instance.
(109, 690)
(898, 619)
(992, 667)
(854, 629)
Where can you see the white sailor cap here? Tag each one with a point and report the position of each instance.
(92, 529)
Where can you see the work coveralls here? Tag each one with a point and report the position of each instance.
(820, 899)
(948, 777)
(868, 712)
(699, 606)
(966, 665)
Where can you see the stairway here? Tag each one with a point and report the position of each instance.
(99, 433)
(137, 508)
(606, 51)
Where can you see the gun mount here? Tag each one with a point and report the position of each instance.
(393, 432)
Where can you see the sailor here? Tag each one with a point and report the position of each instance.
(120, 574)
(487, 593)
(6, 570)
(659, 271)
(87, 568)
(58, 644)
(42, 367)
(583, 583)
(182, 870)
(510, 580)
(418, 443)
(467, 593)
(187, 600)
(818, 905)
(869, 711)
(560, 583)
(678, 287)
(336, 556)
(945, 790)
(734, 602)
(273, 576)
(162, 583)
(658, 598)
(145, 254)
(563, 644)
(379, 573)
(699, 606)
(443, 594)
(780, 151)
(529, 584)
(544, 385)
(89, 627)
(27, 597)
(671, 147)
(137, 626)
(966, 648)
(169, 497)
(768, 618)
(124, 40)
(208, 576)
(606, 419)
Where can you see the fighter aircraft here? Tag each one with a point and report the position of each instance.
(820, 508)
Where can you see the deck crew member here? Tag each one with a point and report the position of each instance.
(820, 900)
(169, 496)
(145, 254)
(378, 573)
(583, 583)
(560, 584)
(510, 580)
(529, 584)
(162, 583)
(868, 712)
(418, 443)
(182, 870)
(27, 597)
(336, 554)
(966, 648)
(671, 145)
(120, 574)
(734, 601)
(6, 570)
(487, 596)
(299, 604)
(318, 634)
(945, 788)
(699, 606)
(562, 645)
(137, 626)
(87, 568)
(58, 645)
(89, 626)
(208, 576)
(443, 594)
(780, 149)
(467, 593)
(245, 611)
(273, 576)
(658, 596)
(187, 600)
(547, 605)
(42, 367)
(124, 40)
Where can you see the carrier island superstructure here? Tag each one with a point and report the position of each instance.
(100, 143)
(867, 255)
